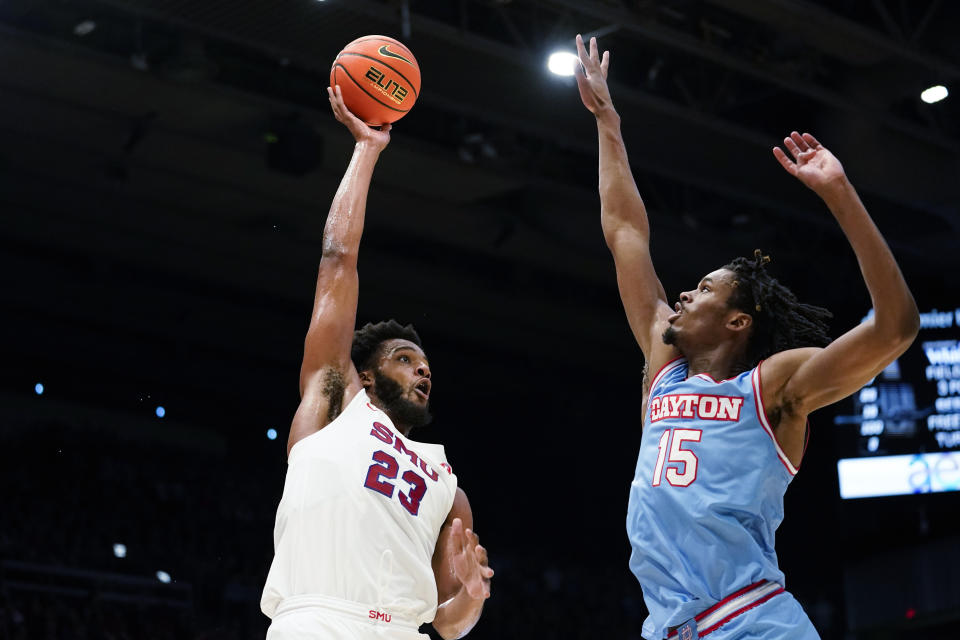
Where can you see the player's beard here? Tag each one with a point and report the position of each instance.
(670, 336)
(403, 412)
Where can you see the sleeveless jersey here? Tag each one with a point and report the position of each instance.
(707, 495)
(361, 511)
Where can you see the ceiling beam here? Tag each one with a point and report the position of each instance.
(835, 34)
(680, 41)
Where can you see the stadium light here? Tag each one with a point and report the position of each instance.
(119, 550)
(271, 434)
(84, 28)
(38, 388)
(934, 94)
(562, 63)
(161, 412)
(163, 577)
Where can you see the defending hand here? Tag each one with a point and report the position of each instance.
(469, 561)
(362, 132)
(812, 163)
(591, 76)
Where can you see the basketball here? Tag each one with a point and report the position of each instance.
(379, 79)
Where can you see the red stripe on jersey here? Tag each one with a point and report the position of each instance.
(762, 416)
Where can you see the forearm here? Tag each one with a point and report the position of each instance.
(344, 227)
(458, 615)
(620, 201)
(895, 312)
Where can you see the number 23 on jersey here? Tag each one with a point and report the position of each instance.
(385, 467)
(681, 463)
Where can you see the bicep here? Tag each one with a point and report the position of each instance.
(642, 294)
(447, 583)
(840, 369)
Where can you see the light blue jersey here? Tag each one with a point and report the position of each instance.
(707, 497)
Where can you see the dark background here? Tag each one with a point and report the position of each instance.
(164, 179)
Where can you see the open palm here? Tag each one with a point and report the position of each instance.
(469, 561)
(592, 76)
(811, 163)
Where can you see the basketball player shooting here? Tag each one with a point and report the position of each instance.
(738, 364)
(372, 531)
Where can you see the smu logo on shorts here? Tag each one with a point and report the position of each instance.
(693, 406)
(379, 616)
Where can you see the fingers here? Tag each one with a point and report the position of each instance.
(785, 162)
(340, 111)
(799, 141)
(457, 538)
(581, 51)
(792, 146)
(472, 540)
(481, 552)
(813, 142)
(591, 61)
(482, 559)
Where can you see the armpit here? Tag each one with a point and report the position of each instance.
(333, 387)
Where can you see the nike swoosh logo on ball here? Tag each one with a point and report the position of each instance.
(384, 51)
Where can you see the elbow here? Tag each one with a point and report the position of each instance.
(457, 625)
(339, 253)
(901, 334)
(613, 232)
(449, 631)
(912, 326)
(909, 326)
(446, 632)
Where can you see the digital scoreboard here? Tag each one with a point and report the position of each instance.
(900, 434)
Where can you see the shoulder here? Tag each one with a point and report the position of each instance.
(776, 371)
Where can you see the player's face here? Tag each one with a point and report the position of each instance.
(702, 315)
(406, 364)
(402, 384)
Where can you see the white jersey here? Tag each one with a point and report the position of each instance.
(361, 511)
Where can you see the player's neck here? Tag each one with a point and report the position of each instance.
(399, 426)
(720, 362)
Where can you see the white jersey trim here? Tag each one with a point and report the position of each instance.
(762, 415)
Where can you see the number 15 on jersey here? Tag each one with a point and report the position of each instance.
(685, 470)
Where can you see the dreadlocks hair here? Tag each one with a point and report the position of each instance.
(780, 321)
(367, 340)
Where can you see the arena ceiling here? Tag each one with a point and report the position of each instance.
(154, 236)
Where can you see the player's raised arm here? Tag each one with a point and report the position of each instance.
(815, 378)
(623, 215)
(460, 568)
(328, 379)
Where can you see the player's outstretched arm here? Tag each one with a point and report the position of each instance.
(813, 378)
(622, 213)
(328, 379)
(461, 571)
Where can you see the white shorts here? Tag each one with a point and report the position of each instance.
(322, 617)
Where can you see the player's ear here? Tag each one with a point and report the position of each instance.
(740, 321)
(366, 378)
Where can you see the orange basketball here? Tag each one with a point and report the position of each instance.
(379, 79)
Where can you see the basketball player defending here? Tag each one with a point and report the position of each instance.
(737, 364)
(372, 531)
